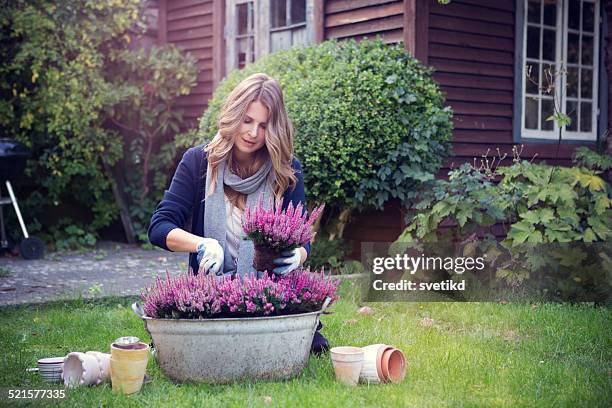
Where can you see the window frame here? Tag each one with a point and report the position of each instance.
(262, 29)
(598, 97)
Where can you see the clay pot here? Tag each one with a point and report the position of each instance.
(393, 365)
(264, 258)
(128, 367)
(81, 369)
(103, 363)
(382, 363)
(347, 362)
(371, 370)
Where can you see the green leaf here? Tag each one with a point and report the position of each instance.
(589, 235)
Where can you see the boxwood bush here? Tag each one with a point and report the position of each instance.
(369, 120)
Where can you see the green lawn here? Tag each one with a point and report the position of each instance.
(473, 355)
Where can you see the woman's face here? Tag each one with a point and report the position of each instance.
(252, 132)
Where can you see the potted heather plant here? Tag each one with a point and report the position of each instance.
(224, 330)
(274, 231)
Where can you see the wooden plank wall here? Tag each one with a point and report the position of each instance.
(189, 25)
(357, 19)
(471, 48)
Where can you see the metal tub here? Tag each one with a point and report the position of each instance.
(220, 351)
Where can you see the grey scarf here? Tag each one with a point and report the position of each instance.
(215, 216)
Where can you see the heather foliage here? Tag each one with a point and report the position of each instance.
(205, 296)
(278, 229)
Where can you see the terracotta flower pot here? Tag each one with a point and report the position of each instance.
(347, 362)
(128, 367)
(371, 370)
(393, 365)
(264, 258)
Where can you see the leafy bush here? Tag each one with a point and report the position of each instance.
(72, 91)
(147, 83)
(369, 120)
(327, 254)
(542, 208)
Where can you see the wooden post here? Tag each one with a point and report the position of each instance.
(410, 26)
(319, 21)
(162, 28)
(421, 48)
(218, 42)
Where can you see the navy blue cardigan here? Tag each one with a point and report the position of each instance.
(183, 203)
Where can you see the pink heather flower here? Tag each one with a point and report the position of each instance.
(280, 229)
(202, 296)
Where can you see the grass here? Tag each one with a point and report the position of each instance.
(470, 354)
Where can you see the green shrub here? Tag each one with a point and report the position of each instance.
(76, 95)
(328, 254)
(369, 120)
(543, 208)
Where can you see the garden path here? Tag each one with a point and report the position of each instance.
(111, 268)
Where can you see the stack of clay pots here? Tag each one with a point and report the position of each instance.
(382, 363)
(376, 364)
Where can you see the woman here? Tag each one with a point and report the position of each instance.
(251, 155)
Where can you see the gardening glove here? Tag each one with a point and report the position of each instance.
(210, 256)
(289, 262)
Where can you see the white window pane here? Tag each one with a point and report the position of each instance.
(547, 111)
(585, 116)
(531, 113)
(573, 14)
(573, 47)
(533, 42)
(548, 45)
(278, 13)
(550, 12)
(587, 50)
(533, 11)
(588, 16)
(572, 82)
(298, 11)
(532, 82)
(571, 108)
(586, 83)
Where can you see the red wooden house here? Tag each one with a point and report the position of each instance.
(480, 50)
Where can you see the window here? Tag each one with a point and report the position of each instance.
(255, 28)
(560, 36)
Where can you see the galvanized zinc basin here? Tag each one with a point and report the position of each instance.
(220, 351)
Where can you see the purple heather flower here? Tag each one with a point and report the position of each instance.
(202, 296)
(280, 229)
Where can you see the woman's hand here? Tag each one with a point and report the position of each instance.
(290, 261)
(210, 256)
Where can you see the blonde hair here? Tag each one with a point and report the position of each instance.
(278, 136)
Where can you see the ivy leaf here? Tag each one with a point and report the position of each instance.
(589, 235)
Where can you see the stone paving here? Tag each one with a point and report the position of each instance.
(109, 269)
